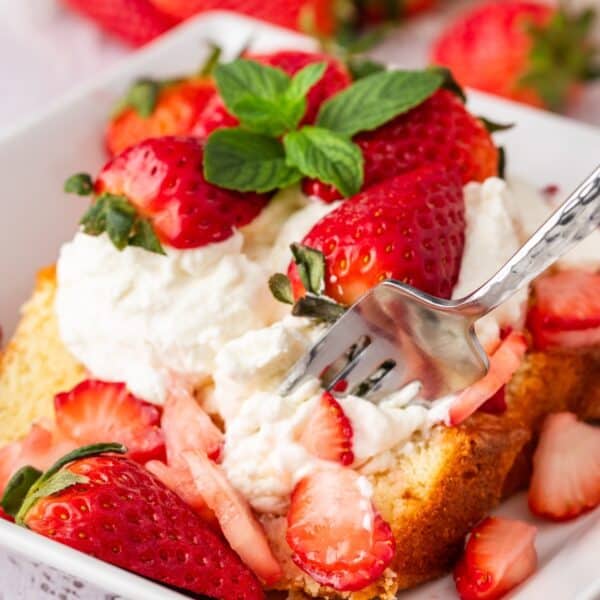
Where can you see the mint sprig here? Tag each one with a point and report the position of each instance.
(270, 150)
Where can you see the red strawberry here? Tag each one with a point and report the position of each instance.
(39, 448)
(110, 507)
(162, 178)
(312, 16)
(174, 112)
(336, 534)
(496, 404)
(328, 432)
(499, 555)
(439, 131)
(566, 468)
(524, 50)
(503, 364)
(187, 427)
(239, 525)
(135, 22)
(335, 79)
(409, 228)
(97, 411)
(566, 311)
(179, 480)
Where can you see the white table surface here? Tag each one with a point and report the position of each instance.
(47, 51)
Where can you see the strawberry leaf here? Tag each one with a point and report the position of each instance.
(281, 288)
(145, 237)
(245, 161)
(120, 218)
(376, 99)
(449, 83)
(17, 489)
(211, 62)
(141, 97)
(319, 308)
(326, 156)
(80, 184)
(493, 127)
(311, 267)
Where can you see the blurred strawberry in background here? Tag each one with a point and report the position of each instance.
(524, 50)
(134, 22)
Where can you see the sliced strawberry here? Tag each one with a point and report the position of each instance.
(503, 364)
(187, 427)
(239, 525)
(40, 448)
(499, 555)
(180, 481)
(328, 432)
(566, 468)
(336, 534)
(496, 404)
(566, 312)
(97, 411)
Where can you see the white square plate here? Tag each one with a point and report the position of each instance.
(35, 159)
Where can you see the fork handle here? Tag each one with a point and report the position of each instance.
(573, 221)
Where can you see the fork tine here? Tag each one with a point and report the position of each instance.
(337, 340)
(369, 360)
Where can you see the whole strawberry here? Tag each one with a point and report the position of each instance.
(154, 108)
(525, 50)
(335, 79)
(410, 228)
(135, 22)
(111, 508)
(440, 130)
(170, 109)
(155, 193)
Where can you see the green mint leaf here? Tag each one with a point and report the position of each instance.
(326, 156)
(17, 488)
(269, 117)
(145, 237)
(241, 160)
(80, 184)
(363, 67)
(376, 99)
(319, 308)
(304, 80)
(311, 267)
(449, 83)
(245, 78)
(493, 127)
(141, 97)
(281, 288)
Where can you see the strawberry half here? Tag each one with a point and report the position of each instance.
(410, 228)
(566, 311)
(97, 411)
(566, 468)
(335, 79)
(499, 555)
(239, 525)
(110, 507)
(39, 448)
(503, 364)
(328, 432)
(155, 192)
(336, 534)
(187, 427)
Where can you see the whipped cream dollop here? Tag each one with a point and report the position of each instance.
(207, 314)
(133, 316)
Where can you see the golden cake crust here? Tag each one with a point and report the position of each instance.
(431, 497)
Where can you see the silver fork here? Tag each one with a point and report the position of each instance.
(395, 334)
